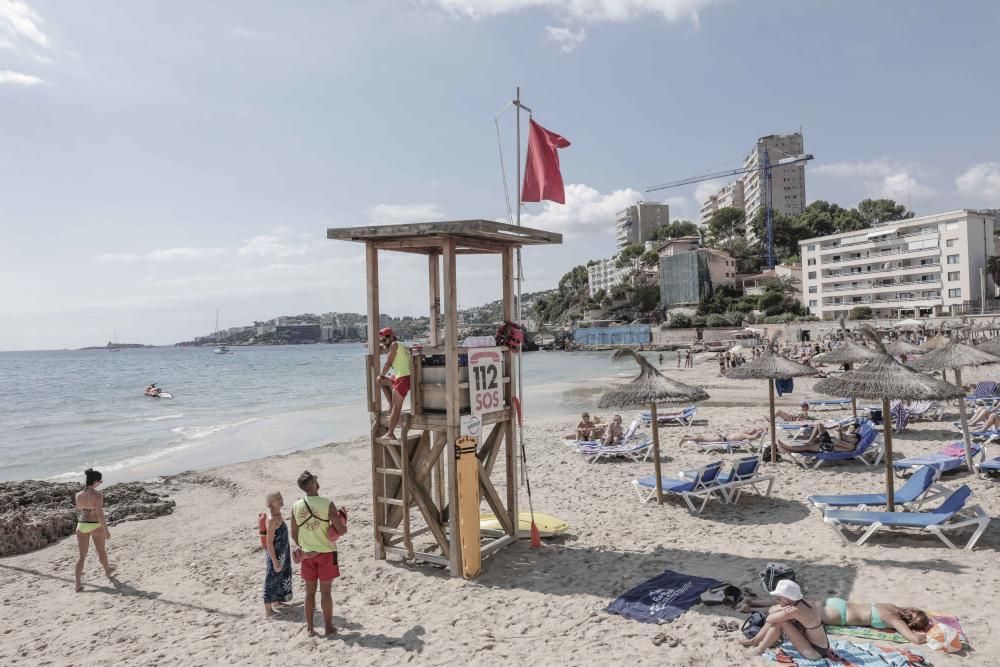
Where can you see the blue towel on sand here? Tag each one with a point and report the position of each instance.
(852, 654)
(664, 597)
(784, 386)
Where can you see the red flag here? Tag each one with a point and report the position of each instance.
(542, 179)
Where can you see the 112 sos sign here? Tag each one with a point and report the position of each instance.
(485, 380)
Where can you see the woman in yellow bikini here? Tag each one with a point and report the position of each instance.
(91, 524)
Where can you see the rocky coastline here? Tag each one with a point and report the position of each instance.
(34, 513)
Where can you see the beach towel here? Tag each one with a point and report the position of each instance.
(893, 636)
(784, 386)
(900, 415)
(850, 654)
(662, 598)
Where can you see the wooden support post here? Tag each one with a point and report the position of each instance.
(451, 401)
(434, 288)
(774, 436)
(656, 453)
(510, 450)
(377, 455)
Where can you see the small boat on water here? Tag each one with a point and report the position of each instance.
(219, 347)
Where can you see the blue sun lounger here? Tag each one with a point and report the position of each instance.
(745, 472)
(947, 459)
(868, 451)
(922, 487)
(702, 486)
(832, 403)
(952, 514)
(988, 465)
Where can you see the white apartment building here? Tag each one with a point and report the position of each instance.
(636, 224)
(602, 275)
(788, 183)
(729, 195)
(920, 267)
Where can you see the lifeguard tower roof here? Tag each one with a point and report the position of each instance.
(471, 236)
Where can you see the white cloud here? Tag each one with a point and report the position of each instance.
(18, 79)
(706, 189)
(981, 181)
(21, 24)
(398, 214)
(565, 38)
(585, 10)
(879, 178)
(271, 245)
(586, 210)
(162, 255)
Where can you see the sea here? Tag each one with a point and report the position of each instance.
(64, 411)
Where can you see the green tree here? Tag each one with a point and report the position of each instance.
(788, 231)
(650, 258)
(860, 313)
(849, 220)
(875, 211)
(726, 224)
(600, 295)
(646, 298)
(676, 230)
(769, 300)
(820, 218)
(629, 254)
(573, 280)
(717, 320)
(679, 321)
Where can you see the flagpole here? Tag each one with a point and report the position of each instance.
(520, 351)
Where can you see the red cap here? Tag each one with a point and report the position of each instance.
(386, 331)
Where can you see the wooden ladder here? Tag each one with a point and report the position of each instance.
(395, 462)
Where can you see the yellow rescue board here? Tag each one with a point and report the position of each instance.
(547, 525)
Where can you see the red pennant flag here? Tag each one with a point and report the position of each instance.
(542, 179)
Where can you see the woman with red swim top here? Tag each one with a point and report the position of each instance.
(396, 386)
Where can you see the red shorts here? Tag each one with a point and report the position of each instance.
(401, 385)
(323, 567)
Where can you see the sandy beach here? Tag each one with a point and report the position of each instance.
(187, 590)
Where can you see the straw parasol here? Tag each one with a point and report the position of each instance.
(770, 366)
(900, 346)
(848, 353)
(955, 356)
(991, 345)
(649, 388)
(886, 378)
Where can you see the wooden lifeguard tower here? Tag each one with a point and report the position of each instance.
(433, 470)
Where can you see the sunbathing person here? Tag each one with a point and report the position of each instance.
(796, 620)
(801, 415)
(728, 436)
(615, 432)
(983, 418)
(824, 439)
(910, 622)
(587, 429)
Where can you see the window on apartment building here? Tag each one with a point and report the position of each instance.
(811, 247)
(812, 303)
(950, 243)
(810, 262)
(812, 290)
(955, 293)
(954, 275)
(812, 275)
(835, 258)
(953, 259)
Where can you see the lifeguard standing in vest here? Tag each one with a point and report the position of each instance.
(395, 386)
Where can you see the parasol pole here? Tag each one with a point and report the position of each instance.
(774, 437)
(656, 453)
(966, 439)
(890, 491)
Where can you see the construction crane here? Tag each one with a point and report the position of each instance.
(765, 168)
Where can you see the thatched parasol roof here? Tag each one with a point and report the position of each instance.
(902, 347)
(935, 343)
(770, 366)
(992, 346)
(650, 387)
(953, 355)
(848, 352)
(887, 378)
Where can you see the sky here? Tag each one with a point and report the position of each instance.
(163, 160)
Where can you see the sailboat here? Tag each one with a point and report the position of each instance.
(219, 347)
(114, 347)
